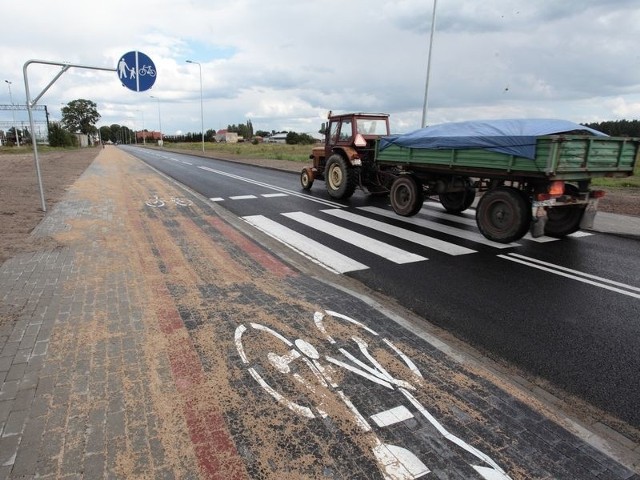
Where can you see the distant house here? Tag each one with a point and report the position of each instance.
(145, 136)
(226, 136)
(318, 137)
(277, 138)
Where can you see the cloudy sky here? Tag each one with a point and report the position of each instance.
(285, 64)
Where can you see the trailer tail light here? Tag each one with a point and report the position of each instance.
(556, 188)
(597, 193)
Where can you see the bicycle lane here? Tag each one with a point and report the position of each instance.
(310, 382)
(180, 347)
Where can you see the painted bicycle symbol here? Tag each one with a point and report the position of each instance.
(147, 70)
(157, 202)
(321, 381)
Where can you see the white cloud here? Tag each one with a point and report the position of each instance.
(284, 65)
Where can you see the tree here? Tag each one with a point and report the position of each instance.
(243, 130)
(11, 136)
(80, 116)
(59, 137)
(617, 128)
(105, 133)
(249, 134)
(210, 135)
(294, 138)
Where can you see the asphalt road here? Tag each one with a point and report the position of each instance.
(566, 311)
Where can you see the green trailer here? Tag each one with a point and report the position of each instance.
(529, 175)
(557, 157)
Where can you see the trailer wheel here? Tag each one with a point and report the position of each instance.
(407, 195)
(456, 202)
(306, 178)
(503, 215)
(562, 221)
(339, 177)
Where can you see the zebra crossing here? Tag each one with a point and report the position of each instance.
(428, 219)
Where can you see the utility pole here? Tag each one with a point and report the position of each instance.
(13, 114)
(159, 120)
(201, 107)
(426, 87)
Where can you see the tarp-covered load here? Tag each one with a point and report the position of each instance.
(512, 136)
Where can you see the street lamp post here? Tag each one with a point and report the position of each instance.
(13, 114)
(426, 87)
(201, 107)
(144, 134)
(159, 120)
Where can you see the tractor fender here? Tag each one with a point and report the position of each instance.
(351, 154)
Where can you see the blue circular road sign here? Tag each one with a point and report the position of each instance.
(136, 71)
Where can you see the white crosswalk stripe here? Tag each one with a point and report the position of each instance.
(338, 262)
(424, 240)
(438, 227)
(325, 256)
(371, 245)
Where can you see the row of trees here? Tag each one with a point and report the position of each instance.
(82, 115)
(617, 128)
(246, 131)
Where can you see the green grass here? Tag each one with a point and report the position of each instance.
(41, 149)
(277, 151)
(628, 182)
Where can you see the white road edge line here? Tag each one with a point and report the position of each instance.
(577, 272)
(557, 271)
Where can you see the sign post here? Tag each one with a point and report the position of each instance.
(136, 71)
(33, 103)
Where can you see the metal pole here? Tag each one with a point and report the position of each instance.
(159, 120)
(201, 107)
(31, 104)
(426, 87)
(34, 143)
(13, 114)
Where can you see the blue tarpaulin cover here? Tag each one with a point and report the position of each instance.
(511, 136)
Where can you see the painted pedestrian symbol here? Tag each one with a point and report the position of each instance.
(136, 71)
(316, 377)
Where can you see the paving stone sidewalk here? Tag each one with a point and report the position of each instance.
(148, 337)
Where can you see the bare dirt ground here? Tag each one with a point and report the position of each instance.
(20, 206)
(20, 209)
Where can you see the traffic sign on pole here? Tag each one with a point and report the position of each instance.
(136, 71)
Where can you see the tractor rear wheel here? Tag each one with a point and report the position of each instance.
(339, 177)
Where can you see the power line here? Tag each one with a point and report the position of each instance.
(42, 108)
